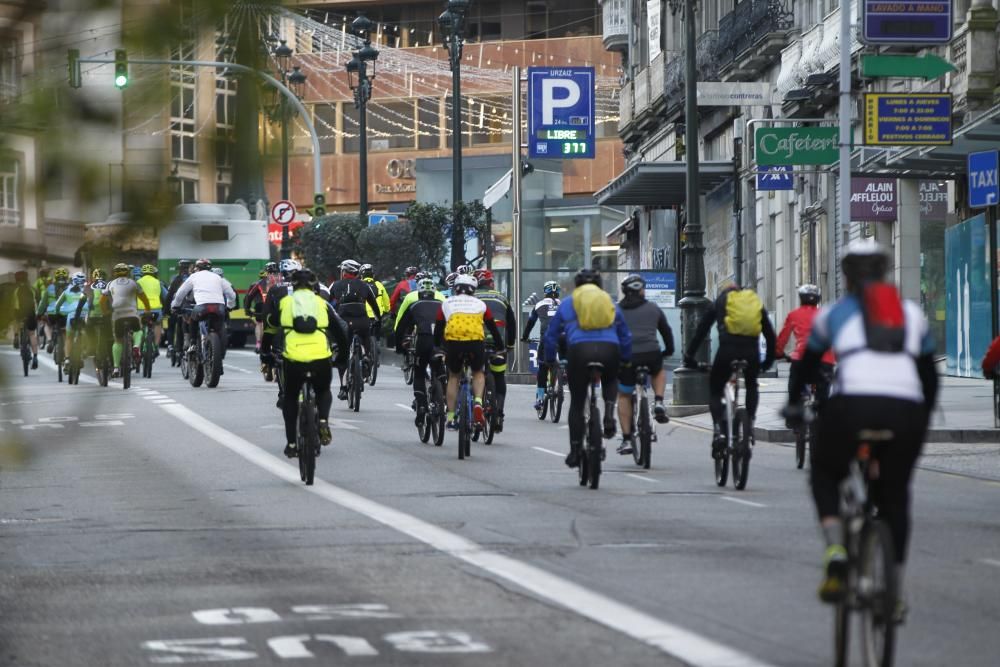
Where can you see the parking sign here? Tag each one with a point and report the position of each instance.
(561, 112)
(984, 184)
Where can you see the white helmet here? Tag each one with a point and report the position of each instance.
(286, 266)
(465, 284)
(350, 266)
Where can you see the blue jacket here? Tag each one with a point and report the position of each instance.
(564, 321)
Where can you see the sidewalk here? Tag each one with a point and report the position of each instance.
(964, 412)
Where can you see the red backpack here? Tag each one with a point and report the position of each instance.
(885, 321)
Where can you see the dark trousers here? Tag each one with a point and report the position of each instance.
(423, 348)
(821, 379)
(295, 377)
(578, 357)
(838, 428)
(722, 370)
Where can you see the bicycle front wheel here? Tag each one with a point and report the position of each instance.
(877, 594)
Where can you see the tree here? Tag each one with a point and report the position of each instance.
(326, 242)
(432, 225)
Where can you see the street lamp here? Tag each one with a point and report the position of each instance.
(691, 386)
(360, 82)
(452, 24)
(296, 80)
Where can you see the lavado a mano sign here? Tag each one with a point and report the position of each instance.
(796, 145)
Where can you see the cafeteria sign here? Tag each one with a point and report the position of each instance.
(795, 145)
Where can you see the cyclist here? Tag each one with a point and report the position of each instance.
(645, 320)
(595, 332)
(98, 331)
(419, 311)
(381, 296)
(886, 381)
(403, 287)
(504, 316)
(47, 304)
(213, 296)
(349, 295)
(459, 328)
(543, 312)
(23, 308)
(272, 334)
(176, 323)
(799, 323)
(256, 296)
(66, 308)
(449, 283)
(304, 316)
(155, 292)
(741, 319)
(41, 283)
(121, 298)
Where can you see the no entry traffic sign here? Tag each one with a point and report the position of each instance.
(283, 212)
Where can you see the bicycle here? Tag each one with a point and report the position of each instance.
(463, 411)
(76, 356)
(103, 364)
(805, 434)
(205, 351)
(409, 360)
(375, 358)
(126, 362)
(307, 439)
(354, 376)
(593, 453)
(872, 578)
(434, 424)
(642, 420)
(491, 405)
(58, 349)
(555, 393)
(147, 347)
(24, 342)
(738, 431)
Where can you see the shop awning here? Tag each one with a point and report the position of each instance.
(662, 183)
(981, 134)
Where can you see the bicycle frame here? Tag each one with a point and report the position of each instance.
(731, 395)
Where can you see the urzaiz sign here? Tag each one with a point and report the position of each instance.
(796, 145)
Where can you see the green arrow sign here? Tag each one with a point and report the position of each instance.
(927, 67)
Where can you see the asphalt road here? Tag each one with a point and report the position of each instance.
(162, 525)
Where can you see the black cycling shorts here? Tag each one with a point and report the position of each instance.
(30, 321)
(457, 351)
(122, 322)
(626, 376)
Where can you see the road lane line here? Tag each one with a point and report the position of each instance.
(687, 646)
(990, 561)
(405, 407)
(549, 451)
(645, 479)
(237, 369)
(743, 502)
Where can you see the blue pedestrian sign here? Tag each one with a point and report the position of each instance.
(775, 177)
(984, 184)
(561, 112)
(906, 21)
(379, 218)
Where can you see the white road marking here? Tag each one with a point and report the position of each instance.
(153, 396)
(990, 561)
(549, 451)
(643, 478)
(237, 369)
(242, 353)
(673, 640)
(405, 407)
(743, 502)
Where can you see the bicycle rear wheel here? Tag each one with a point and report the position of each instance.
(641, 449)
(376, 355)
(213, 360)
(722, 464)
(464, 425)
(436, 413)
(877, 594)
(555, 409)
(742, 447)
(308, 437)
(490, 409)
(58, 354)
(841, 633)
(25, 344)
(800, 446)
(595, 442)
(357, 381)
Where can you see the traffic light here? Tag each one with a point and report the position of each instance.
(319, 205)
(121, 69)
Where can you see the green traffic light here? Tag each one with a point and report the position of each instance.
(121, 81)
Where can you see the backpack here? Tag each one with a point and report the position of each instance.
(303, 311)
(885, 322)
(594, 307)
(352, 295)
(743, 313)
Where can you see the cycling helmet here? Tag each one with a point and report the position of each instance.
(587, 276)
(99, 274)
(367, 271)
(633, 284)
(450, 279)
(303, 277)
(809, 294)
(421, 275)
(78, 279)
(149, 270)
(262, 274)
(551, 288)
(61, 276)
(410, 271)
(287, 266)
(864, 261)
(484, 277)
(98, 285)
(270, 267)
(219, 272)
(203, 265)
(183, 264)
(349, 267)
(465, 285)
(425, 285)
(120, 270)
(464, 270)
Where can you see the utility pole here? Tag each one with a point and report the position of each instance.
(452, 22)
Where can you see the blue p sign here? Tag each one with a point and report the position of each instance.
(561, 112)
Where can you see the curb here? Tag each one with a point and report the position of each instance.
(957, 435)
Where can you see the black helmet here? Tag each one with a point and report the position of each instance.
(864, 261)
(633, 284)
(183, 264)
(367, 271)
(303, 278)
(588, 276)
(271, 267)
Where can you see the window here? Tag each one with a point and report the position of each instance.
(188, 191)
(352, 140)
(325, 120)
(10, 208)
(490, 121)
(428, 123)
(484, 22)
(390, 125)
(221, 193)
(10, 70)
(183, 107)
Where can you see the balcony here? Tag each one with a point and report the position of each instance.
(751, 38)
(625, 101)
(615, 14)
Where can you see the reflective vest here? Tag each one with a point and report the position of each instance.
(152, 288)
(305, 347)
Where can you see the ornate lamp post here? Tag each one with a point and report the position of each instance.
(296, 80)
(452, 23)
(360, 82)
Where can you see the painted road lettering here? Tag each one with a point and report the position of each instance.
(98, 421)
(294, 646)
(312, 612)
(178, 651)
